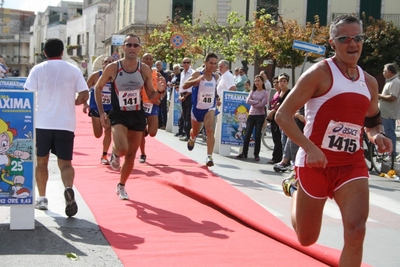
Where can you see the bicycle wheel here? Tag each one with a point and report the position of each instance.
(378, 159)
(266, 137)
(367, 156)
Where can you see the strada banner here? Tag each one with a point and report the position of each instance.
(235, 111)
(17, 149)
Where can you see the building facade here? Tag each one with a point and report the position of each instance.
(14, 39)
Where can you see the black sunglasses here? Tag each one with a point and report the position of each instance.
(185, 62)
(130, 45)
(347, 39)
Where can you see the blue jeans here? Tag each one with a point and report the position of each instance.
(389, 126)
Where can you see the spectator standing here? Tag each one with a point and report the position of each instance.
(174, 83)
(390, 103)
(3, 68)
(186, 97)
(236, 73)
(240, 80)
(163, 112)
(267, 83)
(56, 83)
(277, 154)
(257, 99)
(247, 86)
(226, 82)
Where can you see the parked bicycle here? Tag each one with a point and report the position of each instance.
(373, 158)
(266, 136)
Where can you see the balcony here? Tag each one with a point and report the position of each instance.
(57, 18)
(76, 52)
(395, 18)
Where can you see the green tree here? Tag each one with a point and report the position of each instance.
(229, 39)
(159, 45)
(273, 39)
(381, 46)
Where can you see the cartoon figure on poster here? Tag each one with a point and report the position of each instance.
(12, 164)
(241, 114)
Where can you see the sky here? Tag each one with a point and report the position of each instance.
(32, 5)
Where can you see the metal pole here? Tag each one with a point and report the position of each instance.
(305, 59)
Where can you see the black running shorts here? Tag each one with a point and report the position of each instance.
(58, 142)
(133, 120)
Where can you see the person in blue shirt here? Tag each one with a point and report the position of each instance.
(93, 112)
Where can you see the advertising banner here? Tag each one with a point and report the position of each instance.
(234, 118)
(12, 83)
(17, 149)
(177, 107)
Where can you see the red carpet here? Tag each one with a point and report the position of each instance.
(180, 214)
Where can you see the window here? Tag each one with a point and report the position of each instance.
(270, 6)
(317, 7)
(371, 8)
(182, 9)
(78, 39)
(130, 11)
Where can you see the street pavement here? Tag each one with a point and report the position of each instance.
(56, 235)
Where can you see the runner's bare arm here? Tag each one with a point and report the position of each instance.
(108, 75)
(193, 80)
(82, 97)
(311, 83)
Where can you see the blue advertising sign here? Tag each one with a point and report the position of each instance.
(12, 83)
(308, 47)
(18, 148)
(177, 108)
(234, 118)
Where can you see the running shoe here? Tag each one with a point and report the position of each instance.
(71, 208)
(41, 204)
(241, 156)
(142, 159)
(114, 162)
(257, 158)
(104, 160)
(288, 184)
(190, 144)
(209, 161)
(121, 192)
(281, 167)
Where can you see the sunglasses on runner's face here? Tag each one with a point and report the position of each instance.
(129, 45)
(347, 39)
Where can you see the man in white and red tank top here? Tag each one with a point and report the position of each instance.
(340, 100)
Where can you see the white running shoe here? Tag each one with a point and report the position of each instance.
(121, 192)
(209, 161)
(114, 162)
(41, 204)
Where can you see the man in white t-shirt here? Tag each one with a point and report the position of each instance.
(185, 96)
(226, 82)
(56, 83)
